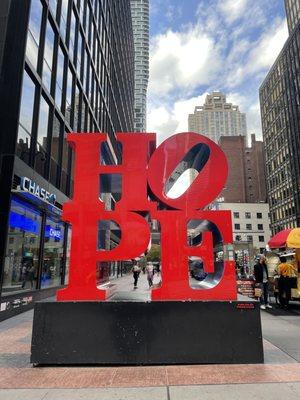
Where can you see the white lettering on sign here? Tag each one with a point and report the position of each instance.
(30, 186)
(55, 233)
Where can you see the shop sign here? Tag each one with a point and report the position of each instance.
(28, 185)
(54, 233)
(16, 303)
(147, 173)
(23, 222)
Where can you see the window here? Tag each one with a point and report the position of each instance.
(25, 121)
(237, 226)
(53, 253)
(248, 227)
(27, 102)
(33, 37)
(22, 255)
(236, 215)
(55, 146)
(79, 52)
(249, 238)
(53, 6)
(259, 215)
(48, 57)
(59, 77)
(261, 238)
(248, 215)
(69, 97)
(72, 36)
(238, 238)
(63, 19)
(43, 123)
(260, 227)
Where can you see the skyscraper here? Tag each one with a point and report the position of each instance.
(217, 118)
(71, 69)
(140, 22)
(292, 8)
(279, 103)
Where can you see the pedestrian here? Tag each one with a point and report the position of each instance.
(261, 277)
(24, 274)
(286, 272)
(150, 273)
(136, 273)
(27, 273)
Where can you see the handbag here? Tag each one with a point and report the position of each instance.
(257, 292)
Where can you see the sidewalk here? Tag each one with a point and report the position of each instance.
(278, 378)
(124, 289)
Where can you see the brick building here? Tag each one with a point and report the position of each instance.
(246, 181)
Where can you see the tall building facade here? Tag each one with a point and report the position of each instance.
(246, 182)
(279, 102)
(292, 8)
(140, 22)
(217, 118)
(71, 69)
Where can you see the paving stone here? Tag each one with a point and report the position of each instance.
(274, 391)
(22, 394)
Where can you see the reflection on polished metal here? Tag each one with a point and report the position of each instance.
(147, 176)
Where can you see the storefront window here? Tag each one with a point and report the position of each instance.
(53, 262)
(22, 251)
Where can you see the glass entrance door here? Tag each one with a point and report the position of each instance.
(22, 250)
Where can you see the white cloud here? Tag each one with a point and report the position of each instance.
(250, 59)
(230, 47)
(173, 12)
(233, 9)
(254, 120)
(166, 121)
(182, 60)
(250, 106)
(267, 49)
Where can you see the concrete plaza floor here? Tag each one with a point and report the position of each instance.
(277, 378)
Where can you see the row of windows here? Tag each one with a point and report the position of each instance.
(283, 212)
(280, 225)
(248, 215)
(260, 227)
(249, 238)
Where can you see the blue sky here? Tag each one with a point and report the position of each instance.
(197, 46)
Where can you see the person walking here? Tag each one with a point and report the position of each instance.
(150, 273)
(136, 270)
(286, 272)
(261, 277)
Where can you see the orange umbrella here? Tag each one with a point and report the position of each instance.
(286, 238)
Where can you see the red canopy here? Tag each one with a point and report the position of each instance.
(279, 240)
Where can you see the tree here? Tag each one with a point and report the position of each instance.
(154, 253)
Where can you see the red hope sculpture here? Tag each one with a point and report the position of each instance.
(141, 166)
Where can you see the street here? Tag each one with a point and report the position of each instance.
(279, 377)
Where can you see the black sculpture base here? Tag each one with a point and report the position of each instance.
(143, 333)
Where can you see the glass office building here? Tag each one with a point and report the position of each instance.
(279, 102)
(71, 70)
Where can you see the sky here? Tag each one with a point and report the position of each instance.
(200, 46)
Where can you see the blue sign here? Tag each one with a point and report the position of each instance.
(22, 222)
(54, 233)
